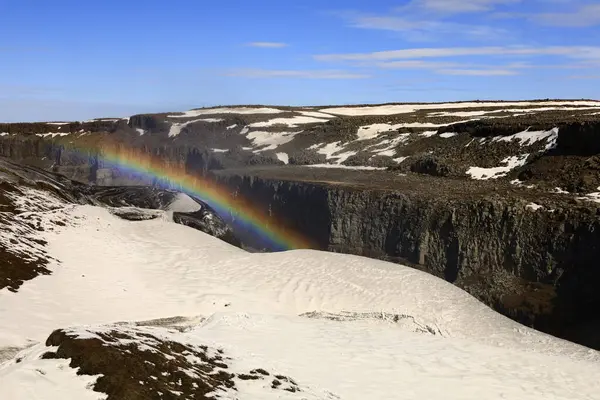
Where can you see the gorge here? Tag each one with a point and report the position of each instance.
(500, 199)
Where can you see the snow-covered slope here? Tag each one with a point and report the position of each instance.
(250, 356)
(338, 326)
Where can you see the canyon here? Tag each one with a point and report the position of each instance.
(499, 198)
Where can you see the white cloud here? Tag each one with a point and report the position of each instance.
(304, 74)
(584, 16)
(478, 72)
(580, 52)
(459, 6)
(414, 64)
(470, 68)
(421, 28)
(270, 45)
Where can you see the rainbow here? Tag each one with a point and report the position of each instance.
(275, 234)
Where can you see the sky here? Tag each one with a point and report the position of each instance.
(70, 60)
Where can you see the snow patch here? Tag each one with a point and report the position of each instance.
(52, 134)
(220, 150)
(176, 128)
(448, 135)
(511, 162)
(339, 166)
(527, 138)
(316, 114)
(231, 126)
(560, 191)
(521, 111)
(410, 108)
(34, 378)
(271, 140)
(428, 133)
(389, 145)
(227, 110)
(595, 197)
(184, 203)
(140, 131)
(373, 130)
(533, 206)
(284, 157)
(291, 122)
(461, 114)
(334, 151)
(520, 183)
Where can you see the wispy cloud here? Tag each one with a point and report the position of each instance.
(413, 64)
(580, 52)
(478, 72)
(561, 13)
(422, 29)
(458, 61)
(458, 6)
(302, 74)
(584, 16)
(269, 45)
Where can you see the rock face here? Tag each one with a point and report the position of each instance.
(208, 221)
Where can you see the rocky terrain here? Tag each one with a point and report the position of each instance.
(463, 140)
(500, 198)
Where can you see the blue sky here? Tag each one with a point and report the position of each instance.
(65, 59)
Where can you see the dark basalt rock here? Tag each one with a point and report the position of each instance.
(208, 221)
(430, 165)
(358, 159)
(132, 196)
(307, 157)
